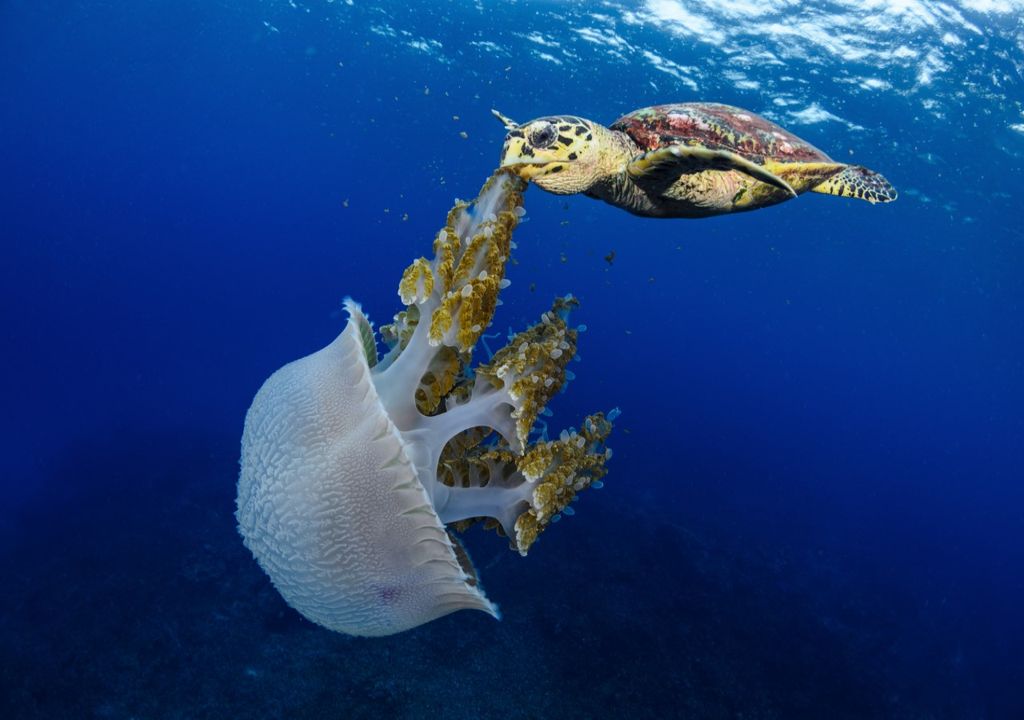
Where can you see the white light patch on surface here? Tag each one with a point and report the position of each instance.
(874, 84)
(932, 64)
(538, 38)
(682, 22)
(490, 47)
(815, 113)
(603, 37)
(740, 81)
(679, 72)
(995, 7)
(430, 47)
(547, 57)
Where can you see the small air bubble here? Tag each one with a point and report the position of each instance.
(505, 282)
(567, 510)
(555, 353)
(467, 291)
(597, 484)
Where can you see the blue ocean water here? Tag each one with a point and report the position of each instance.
(815, 505)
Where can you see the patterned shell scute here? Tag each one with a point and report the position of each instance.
(716, 127)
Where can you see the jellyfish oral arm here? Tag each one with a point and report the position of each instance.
(504, 504)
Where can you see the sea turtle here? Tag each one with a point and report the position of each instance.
(681, 160)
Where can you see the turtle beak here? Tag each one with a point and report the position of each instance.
(512, 156)
(517, 156)
(512, 153)
(520, 152)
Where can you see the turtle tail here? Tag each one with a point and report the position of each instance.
(858, 182)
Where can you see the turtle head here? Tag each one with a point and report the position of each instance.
(561, 154)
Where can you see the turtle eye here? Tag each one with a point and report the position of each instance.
(544, 136)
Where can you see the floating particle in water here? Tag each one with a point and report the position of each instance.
(455, 118)
(405, 217)
(344, 203)
(610, 257)
(464, 135)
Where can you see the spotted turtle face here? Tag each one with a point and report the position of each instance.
(557, 153)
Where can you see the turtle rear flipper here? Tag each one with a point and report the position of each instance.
(835, 179)
(657, 170)
(858, 182)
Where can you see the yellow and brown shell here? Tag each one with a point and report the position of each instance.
(716, 127)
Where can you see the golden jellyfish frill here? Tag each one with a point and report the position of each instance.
(356, 469)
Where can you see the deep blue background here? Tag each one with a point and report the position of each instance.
(821, 399)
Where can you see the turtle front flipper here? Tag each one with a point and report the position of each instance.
(505, 120)
(836, 179)
(657, 170)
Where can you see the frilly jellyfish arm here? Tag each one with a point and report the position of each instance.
(455, 295)
(525, 493)
(458, 292)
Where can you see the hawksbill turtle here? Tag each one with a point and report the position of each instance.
(681, 160)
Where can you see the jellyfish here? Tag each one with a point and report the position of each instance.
(359, 469)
